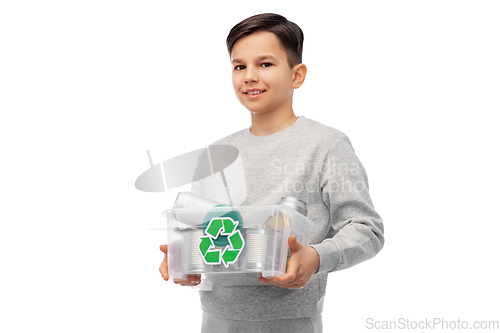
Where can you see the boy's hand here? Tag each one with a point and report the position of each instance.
(303, 263)
(192, 280)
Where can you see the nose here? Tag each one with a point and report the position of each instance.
(251, 75)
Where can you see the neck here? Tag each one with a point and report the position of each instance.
(267, 124)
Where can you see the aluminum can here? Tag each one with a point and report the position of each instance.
(298, 205)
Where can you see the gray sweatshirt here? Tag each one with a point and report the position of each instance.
(315, 164)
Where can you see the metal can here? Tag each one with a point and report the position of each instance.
(298, 205)
(277, 222)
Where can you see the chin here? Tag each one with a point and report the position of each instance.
(255, 110)
(252, 109)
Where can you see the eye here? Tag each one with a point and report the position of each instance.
(266, 64)
(239, 68)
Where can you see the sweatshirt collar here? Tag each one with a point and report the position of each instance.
(248, 136)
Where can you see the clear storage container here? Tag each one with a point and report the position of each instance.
(221, 241)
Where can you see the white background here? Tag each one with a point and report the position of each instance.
(87, 86)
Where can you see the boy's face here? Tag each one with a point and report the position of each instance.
(262, 78)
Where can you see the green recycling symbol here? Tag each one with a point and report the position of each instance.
(225, 226)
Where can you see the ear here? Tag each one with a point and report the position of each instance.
(299, 75)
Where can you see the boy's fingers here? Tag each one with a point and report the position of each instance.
(182, 282)
(194, 278)
(164, 248)
(164, 263)
(191, 280)
(265, 281)
(294, 244)
(164, 271)
(287, 278)
(290, 275)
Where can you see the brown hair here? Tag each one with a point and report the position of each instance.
(289, 34)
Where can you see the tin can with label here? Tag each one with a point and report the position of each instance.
(296, 204)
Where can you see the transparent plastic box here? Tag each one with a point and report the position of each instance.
(221, 242)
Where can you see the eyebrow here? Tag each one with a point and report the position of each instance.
(260, 58)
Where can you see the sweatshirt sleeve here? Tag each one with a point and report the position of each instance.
(357, 228)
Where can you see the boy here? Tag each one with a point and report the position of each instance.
(285, 155)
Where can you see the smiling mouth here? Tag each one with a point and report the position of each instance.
(254, 92)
